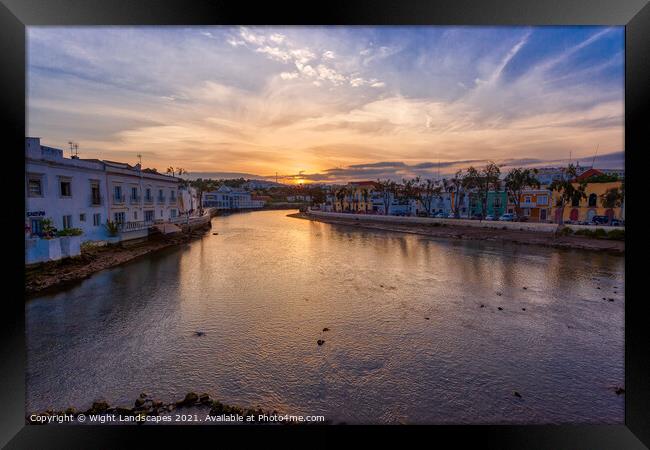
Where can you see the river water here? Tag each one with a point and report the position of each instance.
(408, 343)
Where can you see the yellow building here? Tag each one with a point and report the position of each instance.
(357, 197)
(588, 207)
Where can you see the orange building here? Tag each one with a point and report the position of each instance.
(534, 204)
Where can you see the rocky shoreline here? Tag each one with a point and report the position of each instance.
(545, 239)
(54, 275)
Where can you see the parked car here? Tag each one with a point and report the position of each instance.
(617, 223)
(600, 220)
(490, 217)
(508, 217)
(440, 215)
(477, 217)
(451, 216)
(522, 219)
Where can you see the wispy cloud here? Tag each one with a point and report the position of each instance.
(329, 101)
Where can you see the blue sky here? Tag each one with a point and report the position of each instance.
(329, 103)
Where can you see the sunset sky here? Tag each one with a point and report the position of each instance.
(329, 104)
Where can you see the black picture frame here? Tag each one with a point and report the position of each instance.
(17, 14)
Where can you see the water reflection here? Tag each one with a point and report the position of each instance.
(264, 288)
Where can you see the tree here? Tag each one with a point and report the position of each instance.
(170, 170)
(517, 181)
(202, 186)
(612, 198)
(428, 192)
(388, 189)
(365, 194)
(569, 192)
(340, 194)
(455, 186)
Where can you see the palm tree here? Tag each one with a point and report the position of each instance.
(170, 170)
(388, 190)
(365, 194)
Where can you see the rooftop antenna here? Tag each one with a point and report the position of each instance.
(74, 149)
(593, 161)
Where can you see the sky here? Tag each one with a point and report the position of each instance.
(330, 104)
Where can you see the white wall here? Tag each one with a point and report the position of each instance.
(52, 205)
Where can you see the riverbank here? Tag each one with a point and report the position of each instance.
(452, 231)
(44, 277)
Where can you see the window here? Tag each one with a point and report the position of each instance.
(542, 200)
(35, 186)
(497, 202)
(527, 198)
(173, 195)
(148, 216)
(117, 192)
(97, 219)
(120, 217)
(95, 197)
(592, 199)
(36, 226)
(526, 212)
(148, 194)
(173, 213)
(135, 215)
(134, 193)
(82, 217)
(66, 188)
(161, 213)
(575, 202)
(67, 222)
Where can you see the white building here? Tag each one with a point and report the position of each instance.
(71, 192)
(139, 197)
(86, 193)
(230, 199)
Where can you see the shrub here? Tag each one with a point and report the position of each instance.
(566, 231)
(618, 235)
(112, 227)
(69, 232)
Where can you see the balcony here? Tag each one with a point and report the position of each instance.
(134, 200)
(96, 200)
(135, 226)
(118, 198)
(148, 199)
(161, 199)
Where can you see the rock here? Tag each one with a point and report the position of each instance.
(215, 233)
(199, 333)
(139, 402)
(71, 410)
(482, 306)
(500, 308)
(523, 309)
(189, 399)
(517, 394)
(610, 299)
(156, 403)
(525, 287)
(143, 395)
(123, 411)
(426, 318)
(597, 287)
(99, 406)
(326, 329)
(320, 342)
(204, 398)
(619, 391)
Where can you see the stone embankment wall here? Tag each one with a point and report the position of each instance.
(527, 226)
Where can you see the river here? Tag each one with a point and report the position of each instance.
(408, 340)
